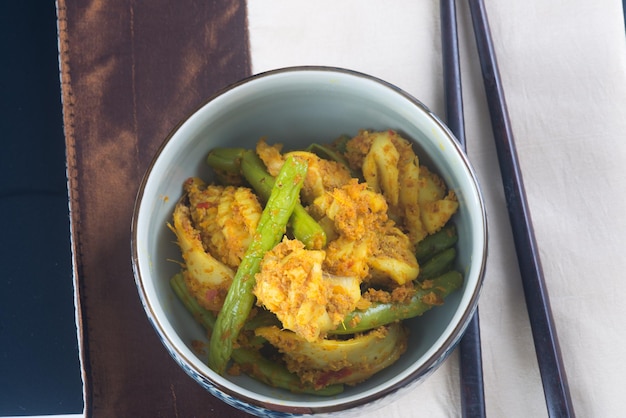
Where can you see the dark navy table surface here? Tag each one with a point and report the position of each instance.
(39, 361)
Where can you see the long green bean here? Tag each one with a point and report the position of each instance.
(429, 294)
(328, 153)
(261, 368)
(205, 317)
(270, 230)
(304, 227)
(226, 159)
(445, 238)
(437, 264)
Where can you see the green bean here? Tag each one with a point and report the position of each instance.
(226, 159)
(437, 264)
(304, 227)
(331, 154)
(270, 230)
(435, 243)
(429, 294)
(255, 172)
(262, 319)
(340, 143)
(205, 317)
(259, 367)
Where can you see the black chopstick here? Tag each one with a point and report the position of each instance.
(471, 369)
(555, 386)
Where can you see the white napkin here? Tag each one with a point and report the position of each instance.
(563, 65)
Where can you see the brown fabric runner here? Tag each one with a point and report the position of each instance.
(130, 71)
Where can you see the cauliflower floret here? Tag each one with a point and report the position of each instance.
(270, 155)
(385, 253)
(349, 257)
(389, 165)
(354, 209)
(394, 257)
(358, 147)
(369, 244)
(417, 197)
(408, 209)
(380, 167)
(322, 175)
(206, 278)
(291, 284)
(226, 217)
(436, 207)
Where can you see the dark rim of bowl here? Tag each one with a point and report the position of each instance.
(433, 362)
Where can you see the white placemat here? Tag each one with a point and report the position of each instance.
(563, 65)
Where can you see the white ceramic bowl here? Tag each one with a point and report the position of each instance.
(297, 106)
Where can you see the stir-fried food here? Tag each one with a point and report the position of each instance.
(306, 262)
(225, 217)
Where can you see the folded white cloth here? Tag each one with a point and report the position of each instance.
(563, 65)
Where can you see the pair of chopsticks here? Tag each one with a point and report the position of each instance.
(555, 386)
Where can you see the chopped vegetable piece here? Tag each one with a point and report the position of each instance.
(330, 361)
(438, 264)
(435, 243)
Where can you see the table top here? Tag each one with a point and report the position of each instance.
(36, 289)
(130, 72)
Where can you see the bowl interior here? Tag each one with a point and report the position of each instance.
(296, 107)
